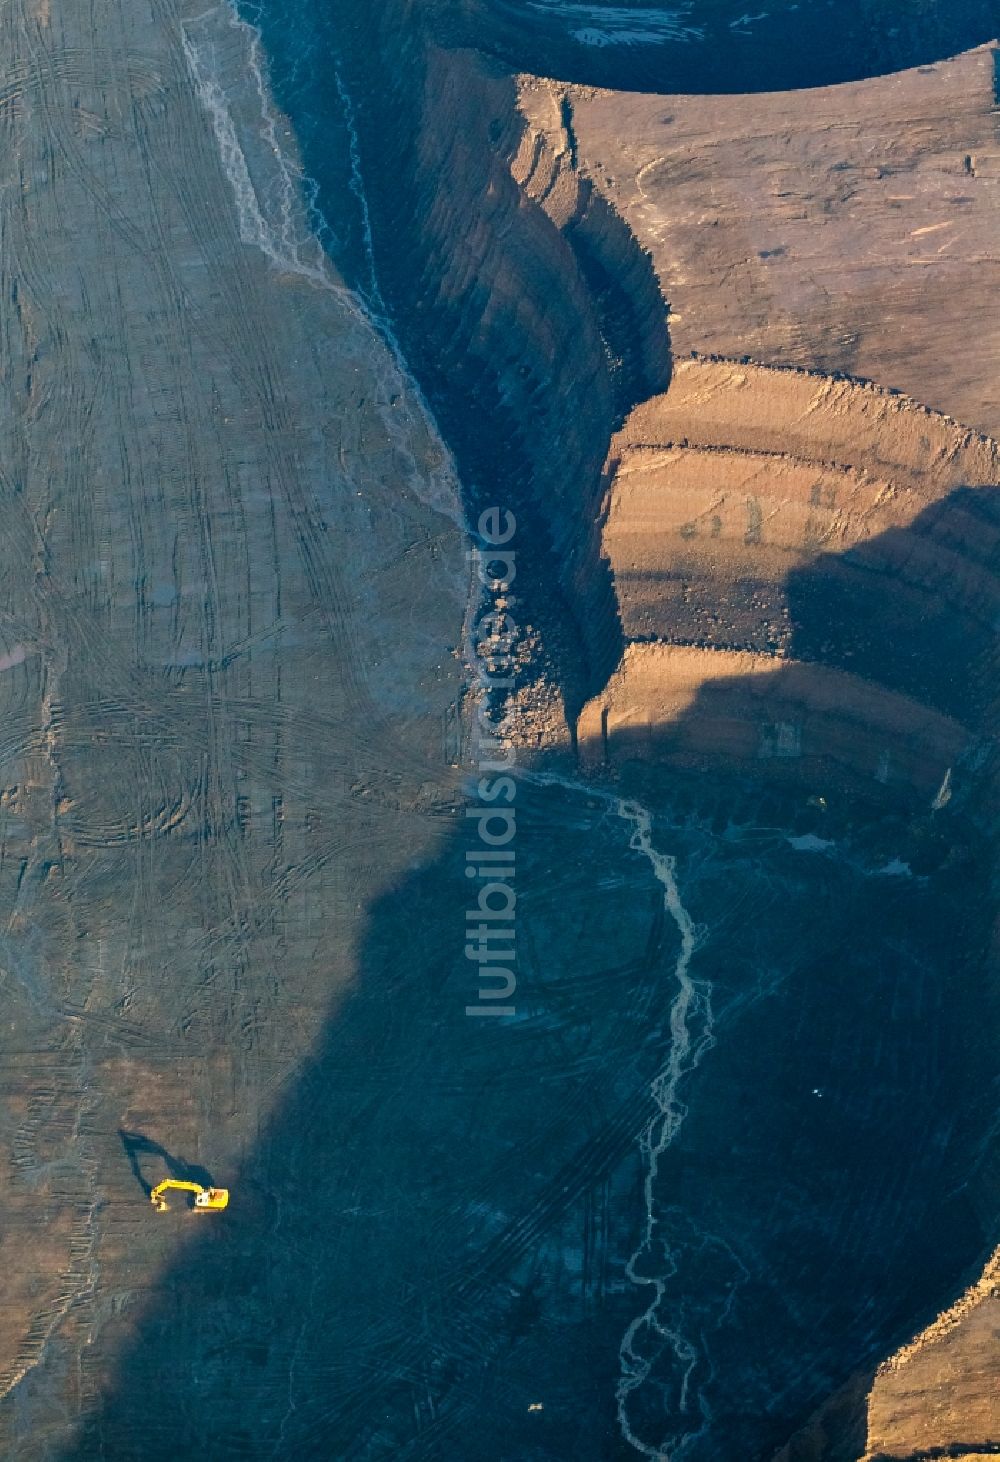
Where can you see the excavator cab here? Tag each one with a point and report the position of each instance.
(214, 1198)
(207, 1200)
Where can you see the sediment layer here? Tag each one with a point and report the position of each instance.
(811, 517)
(531, 315)
(845, 229)
(800, 566)
(624, 289)
(784, 720)
(815, 417)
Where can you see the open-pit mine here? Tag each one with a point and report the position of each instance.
(499, 607)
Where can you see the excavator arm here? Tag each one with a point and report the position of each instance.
(211, 1199)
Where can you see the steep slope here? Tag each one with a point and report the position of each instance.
(780, 643)
(847, 229)
(814, 521)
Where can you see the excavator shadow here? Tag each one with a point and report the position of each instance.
(137, 1146)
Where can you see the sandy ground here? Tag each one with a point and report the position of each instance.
(227, 618)
(846, 228)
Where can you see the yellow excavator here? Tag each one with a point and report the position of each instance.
(207, 1200)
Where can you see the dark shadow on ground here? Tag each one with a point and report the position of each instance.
(425, 1256)
(719, 46)
(138, 1146)
(914, 609)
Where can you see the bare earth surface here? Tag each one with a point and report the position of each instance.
(851, 230)
(218, 570)
(735, 1147)
(847, 228)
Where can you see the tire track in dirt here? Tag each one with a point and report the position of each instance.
(164, 719)
(317, 552)
(137, 494)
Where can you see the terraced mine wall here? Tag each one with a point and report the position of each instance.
(529, 314)
(430, 1224)
(537, 325)
(783, 581)
(820, 556)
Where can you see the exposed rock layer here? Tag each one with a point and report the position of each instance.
(497, 318)
(816, 520)
(826, 729)
(880, 513)
(844, 228)
(228, 605)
